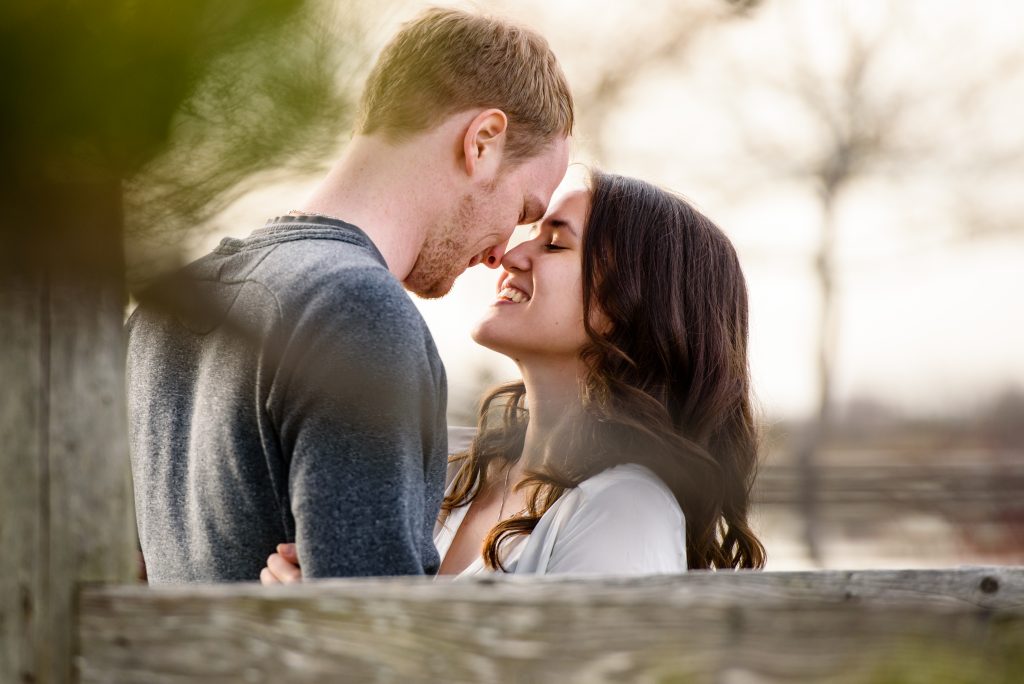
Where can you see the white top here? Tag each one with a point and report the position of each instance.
(622, 521)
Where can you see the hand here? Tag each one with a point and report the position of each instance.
(282, 567)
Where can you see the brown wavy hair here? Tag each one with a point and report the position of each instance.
(666, 382)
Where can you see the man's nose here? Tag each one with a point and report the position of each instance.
(493, 257)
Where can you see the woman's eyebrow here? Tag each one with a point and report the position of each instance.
(559, 224)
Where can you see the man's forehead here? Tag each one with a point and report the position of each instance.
(553, 160)
(554, 168)
(561, 156)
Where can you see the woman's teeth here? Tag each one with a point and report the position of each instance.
(513, 295)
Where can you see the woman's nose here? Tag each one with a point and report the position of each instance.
(517, 258)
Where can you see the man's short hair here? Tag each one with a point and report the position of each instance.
(446, 61)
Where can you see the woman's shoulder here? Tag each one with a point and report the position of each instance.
(459, 439)
(627, 498)
(623, 520)
(622, 483)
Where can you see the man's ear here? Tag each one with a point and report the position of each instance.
(484, 143)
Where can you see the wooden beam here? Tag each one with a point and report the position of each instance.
(23, 465)
(946, 487)
(886, 626)
(65, 509)
(974, 489)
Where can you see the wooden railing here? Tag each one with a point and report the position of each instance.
(957, 489)
(962, 625)
(973, 488)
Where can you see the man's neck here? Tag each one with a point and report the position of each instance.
(379, 188)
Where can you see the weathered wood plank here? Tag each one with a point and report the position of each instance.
(961, 625)
(91, 525)
(66, 509)
(22, 445)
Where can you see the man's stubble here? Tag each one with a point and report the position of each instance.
(440, 261)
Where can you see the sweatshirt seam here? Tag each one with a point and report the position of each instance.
(300, 231)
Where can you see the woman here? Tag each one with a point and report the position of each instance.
(630, 446)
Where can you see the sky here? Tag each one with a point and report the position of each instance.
(931, 320)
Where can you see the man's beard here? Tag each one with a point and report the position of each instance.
(438, 263)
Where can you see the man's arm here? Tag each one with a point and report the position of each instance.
(356, 407)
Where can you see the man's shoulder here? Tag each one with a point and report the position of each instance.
(333, 290)
(307, 264)
(332, 275)
(284, 280)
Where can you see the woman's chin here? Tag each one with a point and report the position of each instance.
(486, 336)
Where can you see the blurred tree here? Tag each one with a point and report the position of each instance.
(176, 103)
(865, 97)
(608, 53)
(269, 109)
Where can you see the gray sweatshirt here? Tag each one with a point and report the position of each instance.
(285, 388)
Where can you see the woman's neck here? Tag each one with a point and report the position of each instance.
(552, 390)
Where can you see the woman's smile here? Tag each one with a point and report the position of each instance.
(511, 295)
(510, 292)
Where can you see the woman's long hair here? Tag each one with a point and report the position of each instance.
(666, 384)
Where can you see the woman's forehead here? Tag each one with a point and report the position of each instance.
(570, 207)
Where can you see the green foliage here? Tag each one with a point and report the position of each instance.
(181, 99)
(96, 83)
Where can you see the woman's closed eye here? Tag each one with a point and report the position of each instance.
(552, 247)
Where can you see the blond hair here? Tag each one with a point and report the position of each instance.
(447, 61)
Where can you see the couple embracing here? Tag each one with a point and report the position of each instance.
(287, 402)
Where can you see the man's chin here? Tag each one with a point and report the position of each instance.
(434, 290)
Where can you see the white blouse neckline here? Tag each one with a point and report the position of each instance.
(444, 536)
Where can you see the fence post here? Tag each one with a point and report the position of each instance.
(65, 494)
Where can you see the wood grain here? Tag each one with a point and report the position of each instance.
(884, 626)
(22, 452)
(65, 513)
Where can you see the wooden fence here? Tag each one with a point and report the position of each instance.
(962, 491)
(926, 626)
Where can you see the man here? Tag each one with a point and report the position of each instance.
(284, 387)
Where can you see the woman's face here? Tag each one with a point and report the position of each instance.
(538, 308)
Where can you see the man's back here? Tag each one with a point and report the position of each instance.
(284, 388)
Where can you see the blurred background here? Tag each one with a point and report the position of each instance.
(867, 160)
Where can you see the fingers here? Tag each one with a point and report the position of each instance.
(284, 572)
(267, 578)
(282, 567)
(289, 553)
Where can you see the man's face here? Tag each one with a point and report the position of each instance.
(481, 222)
